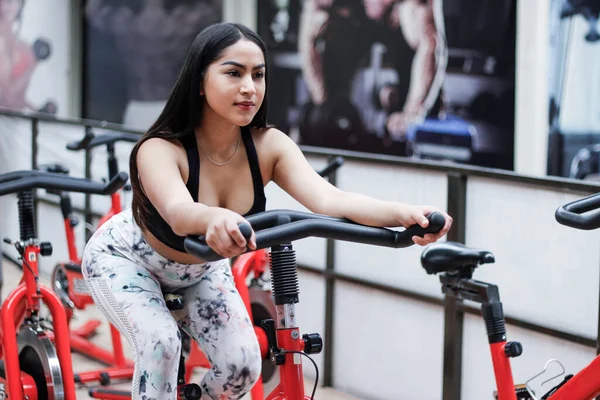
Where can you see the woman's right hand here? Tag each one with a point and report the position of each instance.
(224, 236)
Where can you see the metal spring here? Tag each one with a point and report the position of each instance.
(26, 217)
(284, 275)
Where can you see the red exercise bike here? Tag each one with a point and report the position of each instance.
(260, 306)
(68, 280)
(277, 229)
(36, 360)
(456, 263)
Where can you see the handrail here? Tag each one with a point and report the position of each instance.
(348, 155)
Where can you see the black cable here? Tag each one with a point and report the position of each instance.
(31, 269)
(316, 370)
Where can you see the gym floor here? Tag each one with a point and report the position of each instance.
(12, 274)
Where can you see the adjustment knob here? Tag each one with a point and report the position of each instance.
(313, 343)
(513, 349)
(45, 249)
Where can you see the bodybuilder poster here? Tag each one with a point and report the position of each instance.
(431, 79)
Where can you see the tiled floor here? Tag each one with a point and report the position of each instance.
(11, 277)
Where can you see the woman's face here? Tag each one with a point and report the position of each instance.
(234, 85)
(9, 9)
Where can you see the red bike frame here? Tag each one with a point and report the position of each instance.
(585, 385)
(291, 385)
(502, 371)
(23, 302)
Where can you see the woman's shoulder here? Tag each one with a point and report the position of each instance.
(163, 146)
(269, 137)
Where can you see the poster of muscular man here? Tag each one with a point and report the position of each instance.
(429, 79)
(133, 52)
(32, 78)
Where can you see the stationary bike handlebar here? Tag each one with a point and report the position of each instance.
(18, 181)
(90, 140)
(277, 227)
(572, 214)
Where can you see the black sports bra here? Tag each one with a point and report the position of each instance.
(159, 227)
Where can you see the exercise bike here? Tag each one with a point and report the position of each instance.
(67, 279)
(455, 264)
(36, 360)
(277, 229)
(259, 304)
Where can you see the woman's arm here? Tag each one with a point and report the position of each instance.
(295, 175)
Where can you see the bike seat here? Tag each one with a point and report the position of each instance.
(453, 256)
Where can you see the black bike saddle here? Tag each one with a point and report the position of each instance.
(453, 256)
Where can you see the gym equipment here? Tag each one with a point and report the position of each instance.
(36, 363)
(67, 278)
(441, 138)
(258, 302)
(334, 121)
(455, 263)
(277, 229)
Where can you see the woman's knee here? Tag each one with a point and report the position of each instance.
(243, 366)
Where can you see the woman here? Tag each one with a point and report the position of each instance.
(201, 167)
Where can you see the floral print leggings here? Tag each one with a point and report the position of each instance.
(127, 279)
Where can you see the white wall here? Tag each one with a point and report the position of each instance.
(531, 88)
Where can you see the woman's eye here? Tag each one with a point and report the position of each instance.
(233, 73)
(259, 75)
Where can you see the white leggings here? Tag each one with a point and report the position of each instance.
(127, 278)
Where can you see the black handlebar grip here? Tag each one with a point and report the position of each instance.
(436, 223)
(246, 230)
(81, 144)
(116, 183)
(571, 214)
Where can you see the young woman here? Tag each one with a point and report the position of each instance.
(199, 170)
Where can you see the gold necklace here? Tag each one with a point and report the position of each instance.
(237, 146)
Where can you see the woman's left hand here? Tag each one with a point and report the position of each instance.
(411, 215)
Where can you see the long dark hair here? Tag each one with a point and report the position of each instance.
(183, 110)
